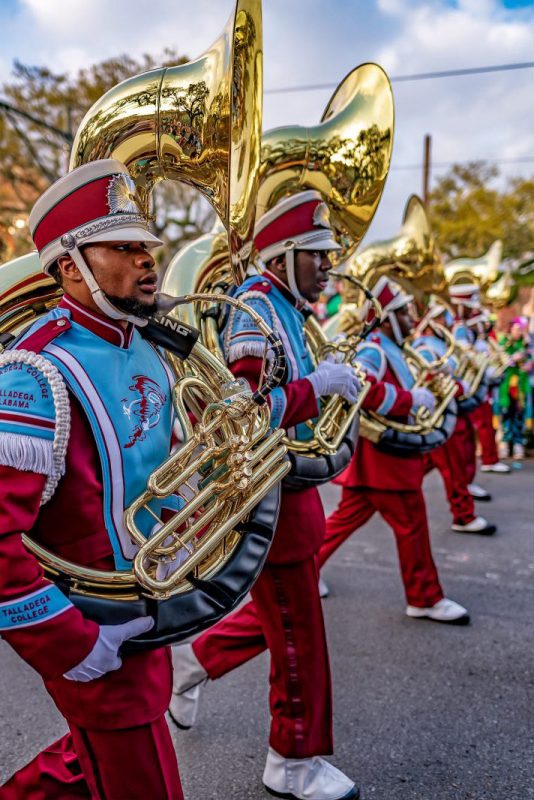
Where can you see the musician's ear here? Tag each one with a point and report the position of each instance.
(277, 264)
(67, 269)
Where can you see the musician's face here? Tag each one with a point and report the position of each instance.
(405, 318)
(125, 271)
(311, 272)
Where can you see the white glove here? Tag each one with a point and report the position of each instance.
(491, 373)
(104, 657)
(481, 346)
(423, 397)
(465, 386)
(331, 378)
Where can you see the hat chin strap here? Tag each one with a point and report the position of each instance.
(98, 295)
(291, 278)
(399, 338)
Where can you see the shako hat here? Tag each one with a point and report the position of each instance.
(466, 294)
(390, 295)
(94, 203)
(299, 222)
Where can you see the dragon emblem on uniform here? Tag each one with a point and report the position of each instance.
(145, 409)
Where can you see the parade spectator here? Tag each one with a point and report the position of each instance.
(514, 403)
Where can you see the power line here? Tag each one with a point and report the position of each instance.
(418, 76)
(9, 109)
(446, 164)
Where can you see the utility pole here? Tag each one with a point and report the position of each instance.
(426, 168)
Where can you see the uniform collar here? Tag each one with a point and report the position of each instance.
(105, 327)
(304, 308)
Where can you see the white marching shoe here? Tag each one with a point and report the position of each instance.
(478, 493)
(324, 589)
(498, 467)
(445, 610)
(518, 452)
(306, 779)
(189, 675)
(478, 525)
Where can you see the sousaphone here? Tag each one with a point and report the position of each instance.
(199, 123)
(346, 158)
(484, 273)
(412, 259)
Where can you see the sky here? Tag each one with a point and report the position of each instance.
(488, 116)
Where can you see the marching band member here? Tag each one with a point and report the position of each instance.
(391, 485)
(469, 321)
(483, 415)
(285, 615)
(450, 458)
(86, 362)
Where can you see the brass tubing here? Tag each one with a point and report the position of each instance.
(166, 586)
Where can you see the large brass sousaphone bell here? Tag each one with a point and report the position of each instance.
(482, 271)
(346, 156)
(411, 258)
(200, 123)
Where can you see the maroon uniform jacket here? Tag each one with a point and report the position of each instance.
(301, 522)
(72, 525)
(370, 467)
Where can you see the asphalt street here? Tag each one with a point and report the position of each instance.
(422, 711)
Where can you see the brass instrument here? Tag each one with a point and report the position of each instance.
(502, 292)
(427, 430)
(495, 291)
(441, 332)
(25, 294)
(499, 358)
(198, 564)
(229, 462)
(482, 271)
(346, 157)
(198, 123)
(411, 258)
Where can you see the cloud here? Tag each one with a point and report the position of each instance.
(471, 117)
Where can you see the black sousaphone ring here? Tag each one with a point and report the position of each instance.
(199, 598)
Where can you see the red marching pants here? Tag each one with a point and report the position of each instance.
(483, 420)
(130, 764)
(450, 460)
(405, 513)
(465, 431)
(285, 615)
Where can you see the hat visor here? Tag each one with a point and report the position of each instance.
(323, 242)
(130, 233)
(399, 301)
(465, 301)
(437, 311)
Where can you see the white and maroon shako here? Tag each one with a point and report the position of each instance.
(391, 297)
(467, 295)
(94, 203)
(299, 222)
(435, 307)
